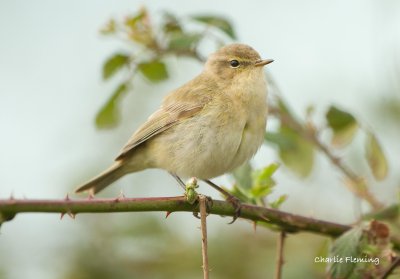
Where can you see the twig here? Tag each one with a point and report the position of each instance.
(391, 268)
(203, 217)
(285, 221)
(389, 213)
(311, 136)
(279, 255)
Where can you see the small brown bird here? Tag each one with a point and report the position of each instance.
(209, 126)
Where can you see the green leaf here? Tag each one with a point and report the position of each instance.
(242, 176)
(114, 64)
(278, 202)
(218, 22)
(260, 191)
(263, 182)
(109, 28)
(343, 124)
(154, 71)
(140, 29)
(345, 248)
(264, 177)
(281, 140)
(182, 41)
(108, 116)
(375, 157)
(345, 136)
(240, 194)
(171, 24)
(133, 21)
(295, 152)
(300, 159)
(339, 119)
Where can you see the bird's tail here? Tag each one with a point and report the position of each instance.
(104, 179)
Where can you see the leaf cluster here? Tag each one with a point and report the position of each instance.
(254, 186)
(297, 142)
(362, 252)
(149, 45)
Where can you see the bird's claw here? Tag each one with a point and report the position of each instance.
(209, 204)
(237, 205)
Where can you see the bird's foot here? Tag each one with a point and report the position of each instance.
(209, 204)
(237, 205)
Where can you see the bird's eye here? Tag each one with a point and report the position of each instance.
(234, 63)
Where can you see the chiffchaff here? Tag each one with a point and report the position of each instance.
(209, 126)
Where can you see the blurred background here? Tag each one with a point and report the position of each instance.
(345, 53)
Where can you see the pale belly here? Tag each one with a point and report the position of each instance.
(209, 146)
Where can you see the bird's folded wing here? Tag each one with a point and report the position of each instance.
(160, 121)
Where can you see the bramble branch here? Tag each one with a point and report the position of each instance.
(285, 221)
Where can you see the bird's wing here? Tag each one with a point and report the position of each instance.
(181, 104)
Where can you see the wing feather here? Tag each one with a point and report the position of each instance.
(158, 122)
(181, 104)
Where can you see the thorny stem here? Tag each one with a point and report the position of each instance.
(204, 246)
(391, 268)
(285, 221)
(310, 135)
(279, 252)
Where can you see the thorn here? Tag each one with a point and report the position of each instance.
(12, 196)
(168, 213)
(72, 215)
(196, 214)
(91, 196)
(120, 197)
(62, 215)
(264, 218)
(255, 226)
(67, 197)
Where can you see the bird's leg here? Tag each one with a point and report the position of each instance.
(229, 198)
(180, 182)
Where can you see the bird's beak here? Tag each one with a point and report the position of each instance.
(264, 62)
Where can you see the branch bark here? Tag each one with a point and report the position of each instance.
(284, 221)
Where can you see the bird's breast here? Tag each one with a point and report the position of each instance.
(227, 132)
